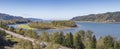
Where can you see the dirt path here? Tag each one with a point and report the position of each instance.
(18, 35)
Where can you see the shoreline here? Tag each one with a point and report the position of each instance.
(63, 28)
(57, 28)
(96, 22)
(54, 28)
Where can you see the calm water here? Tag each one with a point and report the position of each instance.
(99, 29)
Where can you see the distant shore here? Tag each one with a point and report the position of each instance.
(96, 22)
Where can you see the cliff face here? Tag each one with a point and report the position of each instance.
(104, 17)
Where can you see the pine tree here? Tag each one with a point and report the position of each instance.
(88, 39)
(108, 42)
(68, 41)
(100, 43)
(93, 43)
(60, 38)
(44, 36)
(82, 34)
(54, 36)
(78, 42)
(2, 33)
(116, 45)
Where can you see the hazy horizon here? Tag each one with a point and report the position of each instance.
(57, 9)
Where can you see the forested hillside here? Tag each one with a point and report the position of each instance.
(10, 19)
(104, 17)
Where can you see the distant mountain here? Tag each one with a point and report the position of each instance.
(34, 19)
(10, 17)
(104, 17)
(17, 18)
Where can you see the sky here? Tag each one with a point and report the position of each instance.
(57, 9)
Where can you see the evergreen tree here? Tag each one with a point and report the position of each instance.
(89, 34)
(78, 42)
(108, 42)
(44, 36)
(60, 38)
(100, 43)
(2, 33)
(93, 43)
(54, 36)
(117, 44)
(68, 41)
(88, 39)
(82, 34)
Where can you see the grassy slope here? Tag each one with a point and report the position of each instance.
(24, 26)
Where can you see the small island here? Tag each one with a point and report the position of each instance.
(53, 25)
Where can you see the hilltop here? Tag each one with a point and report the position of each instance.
(14, 19)
(103, 17)
(10, 17)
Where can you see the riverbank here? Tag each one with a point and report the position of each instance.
(25, 26)
(64, 28)
(96, 22)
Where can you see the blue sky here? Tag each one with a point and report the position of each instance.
(57, 9)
